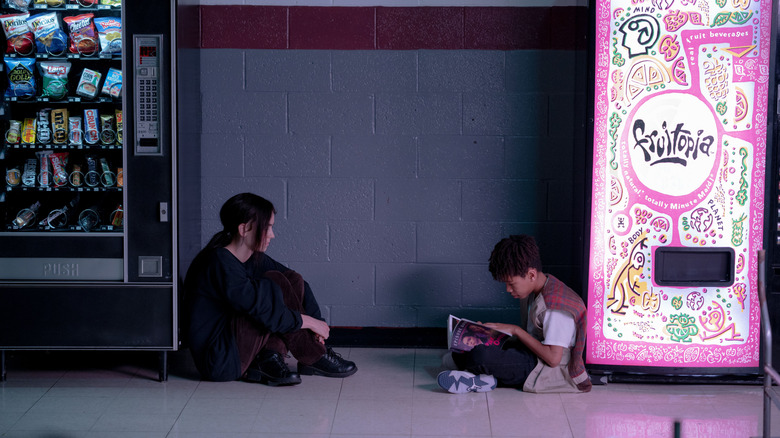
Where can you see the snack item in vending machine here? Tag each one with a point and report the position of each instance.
(83, 35)
(112, 86)
(106, 175)
(118, 217)
(60, 217)
(120, 177)
(107, 133)
(55, 78)
(28, 175)
(92, 178)
(49, 38)
(50, 2)
(19, 37)
(75, 134)
(26, 216)
(59, 161)
(91, 129)
(85, 2)
(89, 218)
(119, 126)
(28, 131)
(88, 84)
(42, 126)
(110, 35)
(44, 170)
(13, 177)
(59, 121)
(21, 79)
(14, 133)
(55, 219)
(111, 2)
(76, 176)
(21, 5)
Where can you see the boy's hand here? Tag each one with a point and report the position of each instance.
(550, 354)
(506, 328)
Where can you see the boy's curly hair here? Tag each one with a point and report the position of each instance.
(513, 256)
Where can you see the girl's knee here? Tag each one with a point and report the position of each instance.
(295, 279)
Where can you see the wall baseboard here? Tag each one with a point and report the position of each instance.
(388, 337)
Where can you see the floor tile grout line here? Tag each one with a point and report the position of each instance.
(338, 399)
(490, 419)
(181, 411)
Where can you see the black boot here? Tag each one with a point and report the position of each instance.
(269, 368)
(331, 364)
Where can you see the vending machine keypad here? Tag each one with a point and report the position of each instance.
(148, 87)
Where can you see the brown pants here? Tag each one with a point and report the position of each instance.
(301, 343)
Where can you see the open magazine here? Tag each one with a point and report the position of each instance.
(463, 335)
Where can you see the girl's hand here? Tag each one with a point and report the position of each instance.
(320, 328)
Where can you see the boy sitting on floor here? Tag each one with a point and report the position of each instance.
(547, 356)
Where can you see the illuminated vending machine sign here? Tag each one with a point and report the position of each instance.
(678, 182)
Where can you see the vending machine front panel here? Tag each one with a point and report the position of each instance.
(87, 208)
(679, 157)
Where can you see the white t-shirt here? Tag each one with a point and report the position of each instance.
(558, 327)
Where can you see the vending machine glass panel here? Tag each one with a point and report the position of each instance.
(63, 150)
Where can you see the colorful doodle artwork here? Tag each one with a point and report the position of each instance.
(680, 139)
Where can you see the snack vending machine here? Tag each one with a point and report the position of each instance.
(88, 208)
(678, 188)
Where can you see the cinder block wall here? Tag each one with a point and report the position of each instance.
(398, 146)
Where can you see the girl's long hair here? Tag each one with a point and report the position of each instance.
(240, 209)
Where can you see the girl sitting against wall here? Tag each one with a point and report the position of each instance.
(246, 311)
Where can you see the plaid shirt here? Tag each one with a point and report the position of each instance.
(558, 296)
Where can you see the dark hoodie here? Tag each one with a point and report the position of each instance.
(218, 287)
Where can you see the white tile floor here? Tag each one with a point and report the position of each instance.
(394, 394)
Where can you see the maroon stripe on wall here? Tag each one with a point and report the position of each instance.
(388, 28)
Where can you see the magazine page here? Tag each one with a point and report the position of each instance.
(463, 335)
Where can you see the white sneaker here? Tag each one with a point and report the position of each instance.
(461, 382)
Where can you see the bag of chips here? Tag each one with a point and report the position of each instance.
(18, 34)
(111, 2)
(110, 33)
(21, 80)
(83, 36)
(21, 5)
(55, 78)
(49, 38)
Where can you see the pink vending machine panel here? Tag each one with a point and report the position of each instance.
(679, 158)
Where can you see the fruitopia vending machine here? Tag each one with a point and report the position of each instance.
(678, 187)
